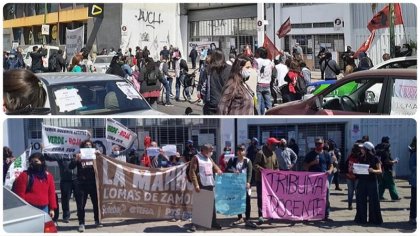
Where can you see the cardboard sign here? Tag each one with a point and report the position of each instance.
(293, 195)
(202, 211)
(130, 191)
(62, 140)
(231, 193)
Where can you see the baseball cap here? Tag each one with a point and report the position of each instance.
(272, 140)
(369, 146)
(283, 141)
(190, 141)
(255, 139)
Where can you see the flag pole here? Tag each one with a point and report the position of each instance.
(391, 31)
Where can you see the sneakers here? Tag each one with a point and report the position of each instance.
(350, 207)
(250, 224)
(169, 104)
(238, 222)
(66, 220)
(98, 224)
(81, 228)
(338, 189)
(260, 221)
(177, 99)
(171, 95)
(192, 229)
(396, 199)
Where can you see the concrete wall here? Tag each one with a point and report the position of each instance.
(224, 13)
(11, 127)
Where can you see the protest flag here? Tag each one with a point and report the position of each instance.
(366, 45)
(285, 28)
(272, 51)
(119, 134)
(382, 18)
(16, 168)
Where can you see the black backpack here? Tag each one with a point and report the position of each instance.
(52, 63)
(152, 78)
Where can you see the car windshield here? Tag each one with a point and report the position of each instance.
(10, 200)
(98, 97)
(105, 60)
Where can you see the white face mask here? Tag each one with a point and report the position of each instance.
(116, 153)
(245, 73)
(209, 155)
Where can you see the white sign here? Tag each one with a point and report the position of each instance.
(119, 134)
(361, 169)
(16, 168)
(45, 29)
(88, 153)
(74, 41)
(169, 150)
(128, 90)
(68, 99)
(153, 151)
(403, 106)
(202, 210)
(62, 140)
(338, 23)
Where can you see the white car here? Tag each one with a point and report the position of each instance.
(398, 63)
(70, 93)
(102, 62)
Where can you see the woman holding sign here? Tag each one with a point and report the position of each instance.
(86, 183)
(241, 164)
(367, 187)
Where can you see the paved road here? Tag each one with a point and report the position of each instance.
(395, 215)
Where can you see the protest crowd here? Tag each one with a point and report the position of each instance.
(163, 184)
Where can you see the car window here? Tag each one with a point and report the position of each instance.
(404, 97)
(400, 65)
(10, 200)
(103, 60)
(99, 97)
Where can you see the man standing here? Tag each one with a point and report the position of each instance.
(348, 58)
(189, 151)
(203, 56)
(264, 71)
(387, 180)
(202, 169)
(297, 52)
(164, 54)
(37, 63)
(286, 157)
(251, 152)
(265, 159)
(193, 55)
(319, 160)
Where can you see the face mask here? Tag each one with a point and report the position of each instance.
(209, 155)
(245, 73)
(37, 167)
(116, 153)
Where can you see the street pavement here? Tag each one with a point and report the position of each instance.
(395, 215)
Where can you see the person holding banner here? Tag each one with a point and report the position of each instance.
(36, 185)
(319, 160)
(122, 155)
(241, 164)
(265, 159)
(86, 184)
(202, 169)
(367, 188)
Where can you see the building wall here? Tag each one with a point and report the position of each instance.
(223, 13)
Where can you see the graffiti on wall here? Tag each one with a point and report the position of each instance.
(151, 18)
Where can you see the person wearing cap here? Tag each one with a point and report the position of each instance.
(387, 181)
(319, 160)
(265, 159)
(286, 157)
(189, 151)
(352, 159)
(367, 188)
(241, 164)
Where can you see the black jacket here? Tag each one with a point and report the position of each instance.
(37, 63)
(66, 174)
(85, 171)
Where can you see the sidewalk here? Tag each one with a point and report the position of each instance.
(395, 216)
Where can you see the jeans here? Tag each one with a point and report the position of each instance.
(264, 99)
(177, 87)
(165, 83)
(85, 190)
(170, 80)
(43, 208)
(351, 186)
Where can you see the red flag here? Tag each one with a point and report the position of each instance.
(285, 28)
(366, 45)
(272, 51)
(381, 19)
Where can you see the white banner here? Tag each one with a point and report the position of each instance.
(74, 41)
(17, 167)
(62, 140)
(119, 134)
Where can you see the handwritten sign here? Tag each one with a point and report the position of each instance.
(294, 195)
(403, 106)
(68, 99)
(130, 191)
(360, 169)
(153, 151)
(62, 140)
(88, 153)
(128, 90)
(119, 134)
(169, 150)
(74, 41)
(230, 193)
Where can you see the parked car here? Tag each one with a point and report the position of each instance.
(50, 50)
(398, 63)
(92, 94)
(102, 62)
(20, 217)
(375, 92)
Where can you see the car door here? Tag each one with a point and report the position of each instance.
(359, 96)
(402, 96)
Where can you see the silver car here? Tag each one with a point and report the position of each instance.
(20, 217)
(102, 62)
(92, 94)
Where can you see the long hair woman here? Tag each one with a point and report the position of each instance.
(36, 185)
(237, 98)
(75, 63)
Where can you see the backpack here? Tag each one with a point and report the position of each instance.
(152, 78)
(52, 63)
(300, 85)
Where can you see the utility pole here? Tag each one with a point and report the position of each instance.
(391, 31)
(260, 24)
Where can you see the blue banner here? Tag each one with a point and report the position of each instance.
(230, 193)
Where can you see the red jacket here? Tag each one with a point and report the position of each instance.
(42, 193)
